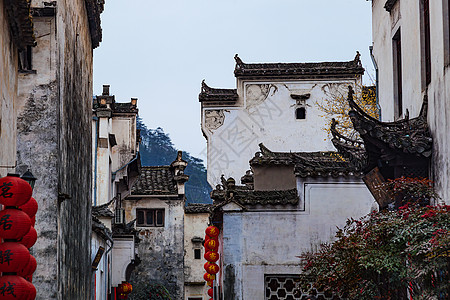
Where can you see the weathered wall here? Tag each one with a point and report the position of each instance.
(194, 227)
(269, 241)
(274, 177)
(54, 140)
(265, 112)
(8, 96)
(406, 16)
(161, 249)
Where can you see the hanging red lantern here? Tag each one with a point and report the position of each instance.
(209, 277)
(13, 257)
(211, 292)
(30, 208)
(212, 245)
(212, 232)
(33, 221)
(31, 291)
(210, 283)
(29, 239)
(29, 268)
(125, 288)
(211, 268)
(14, 191)
(14, 224)
(211, 256)
(28, 278)
(13, 287)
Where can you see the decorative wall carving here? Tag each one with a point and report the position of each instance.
(214, 119)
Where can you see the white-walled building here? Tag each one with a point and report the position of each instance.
(116, 167)
(411, 46)
(296, 193)
(274, 103)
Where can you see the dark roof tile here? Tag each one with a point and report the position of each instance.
(217, 95)
(157, 180)
(288, 70)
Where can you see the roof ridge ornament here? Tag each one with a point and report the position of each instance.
(358, 59)
(239, 62)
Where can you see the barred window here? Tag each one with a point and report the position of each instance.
(150, 217)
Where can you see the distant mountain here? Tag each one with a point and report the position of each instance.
(157, 149)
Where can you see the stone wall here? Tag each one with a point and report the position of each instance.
(161, 249)
(54, 141)
(8, 96)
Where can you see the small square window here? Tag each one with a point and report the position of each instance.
(150, 217)
(197, 253)
(300, 113)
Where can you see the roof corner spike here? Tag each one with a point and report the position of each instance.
(204, 86)
(358, 58)
(239, 62)
(424, 109)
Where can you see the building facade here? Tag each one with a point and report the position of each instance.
(196, 218)
(16, 34)
(297, 189)
(411, 47)
(54, 112)
(116, 167)
(156, 204)
(274, 103)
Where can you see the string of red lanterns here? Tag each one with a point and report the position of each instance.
(212, 256)
(18, 235)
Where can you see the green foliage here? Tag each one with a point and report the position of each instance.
(149, 291)
(384, 254)
(157, 149)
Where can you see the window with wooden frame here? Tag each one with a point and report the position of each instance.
(150, 217)
(397, 58)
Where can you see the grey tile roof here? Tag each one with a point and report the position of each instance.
(315, 69)
(197, 208)
(217, 95)
(157, 180)
(250, 197)
(308, 164)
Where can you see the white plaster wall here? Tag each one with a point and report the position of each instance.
(384, 27)
(122, 255)
(194, 226)
(268, 242)
(101, 274)
(8, 96)
(233, 141)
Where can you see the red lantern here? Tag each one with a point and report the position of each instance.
(211, 256)
(13, 257)
(212, 245)
(211, 292)
(14, 224)
(33, 221)
(125, 288)
(14, 191)
(29, 268)
(32, 291)
(13, 287)
(28, 278)
(209, 277)
(211, 268)
(30, 208)
(212, 232)
(210, 283)
(29, 239)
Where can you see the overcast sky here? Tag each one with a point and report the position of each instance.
(159, 51)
